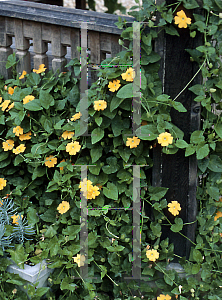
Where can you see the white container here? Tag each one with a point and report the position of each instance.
(32, 274)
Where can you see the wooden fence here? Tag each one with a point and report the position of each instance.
(60, 26)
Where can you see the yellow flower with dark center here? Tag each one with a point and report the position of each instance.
(165, 138)
(218, 215)
(40, 69)
(18, 130)
(132, 143)
(73, 147)
(153, 254)
(163, 297)
(2, 183)
(10, 106)
(129, 75)
(50, 161)
(23, 75)
(16, 218)
(25, 136)
(5, 104)
(63, 207)
(8, 145)
(67, 134)
(114, 85)
(28, 98)
(20, 149)
(100, 105)
(174, 207)
(85, 185)
(92, 192)
(76, 116)
(181, 19)
(79, 259)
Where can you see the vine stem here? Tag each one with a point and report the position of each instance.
(166, 274)
(190, 80)
(107, 275)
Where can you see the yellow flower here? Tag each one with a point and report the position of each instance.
(181, 19)
(218, 215)
(114, 86)
(16, 218)
(10, 106)
(85, 185)
(174, 207)
(67, 134)
(1, 203)
(63, 207)
(79, 259)
(92, 192)
(100, 105)
(28, 98)
(25, 136)
(132, 143)
(165, 139)
(18, 130)
(153, 254)
(21, 148)
(40, 69)
(163, 297)
(8, 145)
(76, 116)
(73, 147)
(11, 90)
(129, 75)
(0, 99)
(23, 75)
(2, 183)
(5, 104)
(50, 161)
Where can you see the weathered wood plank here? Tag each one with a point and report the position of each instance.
(5, 50)
(39, 46)
(178, 172)
(69, 17)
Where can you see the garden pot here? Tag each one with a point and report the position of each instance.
(32, 274)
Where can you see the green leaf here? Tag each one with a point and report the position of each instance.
(147, 132)
(127, 92)
(67, 284)
(197, 137)
(202, 151)
(197, 256)
(97, 135)
(32, 216)
(181, 144)
(218, 129)
(178, 225)
(190, 150)
(112, 166)
(33, 79)
(190, 4)
(157, 193)
(18, 255)
(96, 152)
(215, 163)
(41, 291)
(171, 30)
(46, 99)
(111, 191)
(197, 89)
(178, 106)
(11, 61)
(98, 120)
(115, 248)
(33, 105)
(115, 102)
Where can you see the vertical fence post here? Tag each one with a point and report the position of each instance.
(177, 172)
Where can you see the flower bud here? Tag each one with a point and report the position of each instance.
(212, 90)
(220, 15)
